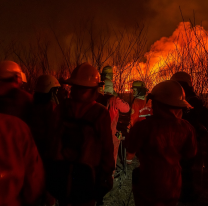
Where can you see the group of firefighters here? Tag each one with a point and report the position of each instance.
(61, 146)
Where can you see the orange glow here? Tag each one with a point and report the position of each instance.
(186, 49)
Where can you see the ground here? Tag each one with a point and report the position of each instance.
(121, 195)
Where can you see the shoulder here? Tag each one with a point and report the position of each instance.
(11, 124)
(138, 101)
(97, 107)
(186, 124)
(195, 101)
(145, 124)
(100, 113)
(24, 95)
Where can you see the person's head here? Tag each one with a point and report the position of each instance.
(85, 81)
(46, 87)
(108, 88)
(139, 89)
(185, 81)
(11, 74)
(169, 93)
(182, 77)
(107, 73)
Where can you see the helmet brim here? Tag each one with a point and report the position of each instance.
(180, 103)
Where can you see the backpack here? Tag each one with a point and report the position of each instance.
(71, 178)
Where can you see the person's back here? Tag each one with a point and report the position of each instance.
(159, 152)
(160, 142)
(43, 106)
(22, 174)
(140, 110)
(98, 117)
(83, 137)
(196, 116)
(114, 105)
(17, 102)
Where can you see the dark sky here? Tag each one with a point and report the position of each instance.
(21, 19)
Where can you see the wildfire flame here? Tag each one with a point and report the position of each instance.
(186, 49)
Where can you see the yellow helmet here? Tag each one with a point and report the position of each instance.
(138, 84)
(182, 77)
(9, 69)
(84, 75)
(45, 83)
(171, 93)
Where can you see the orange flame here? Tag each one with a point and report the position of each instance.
(186, 49)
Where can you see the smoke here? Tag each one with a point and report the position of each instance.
(20, 19)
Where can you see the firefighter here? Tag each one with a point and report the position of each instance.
(114, 105)
(64, 90)
(140, 109)
(78, 114)
(160, 142)
(22, 173)
(14, 100)
(198, 118)
(195, 115)
(107, 73)
(45, 102)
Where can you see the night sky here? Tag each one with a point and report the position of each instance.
(20, 20)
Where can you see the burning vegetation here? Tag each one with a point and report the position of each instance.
(185, 50)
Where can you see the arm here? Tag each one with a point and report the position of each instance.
(34, 181)
(190, 145)
(135, 140)
(122, 105)
(107, 162)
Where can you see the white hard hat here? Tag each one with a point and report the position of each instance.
(9, 69)
(171, 93)
(45, 83)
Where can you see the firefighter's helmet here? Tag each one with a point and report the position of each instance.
(139, 88)
(107, 70)
(182, 77)
(45, 82)
(84, 75)
(138, 84)
(107, 73)
(9, 69)
(171, 93)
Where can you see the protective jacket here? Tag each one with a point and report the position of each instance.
(40, 125)
(99, 154)
(17, 102)
(140, 110)
(21, 173)
(116, 105)
(160, 142)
